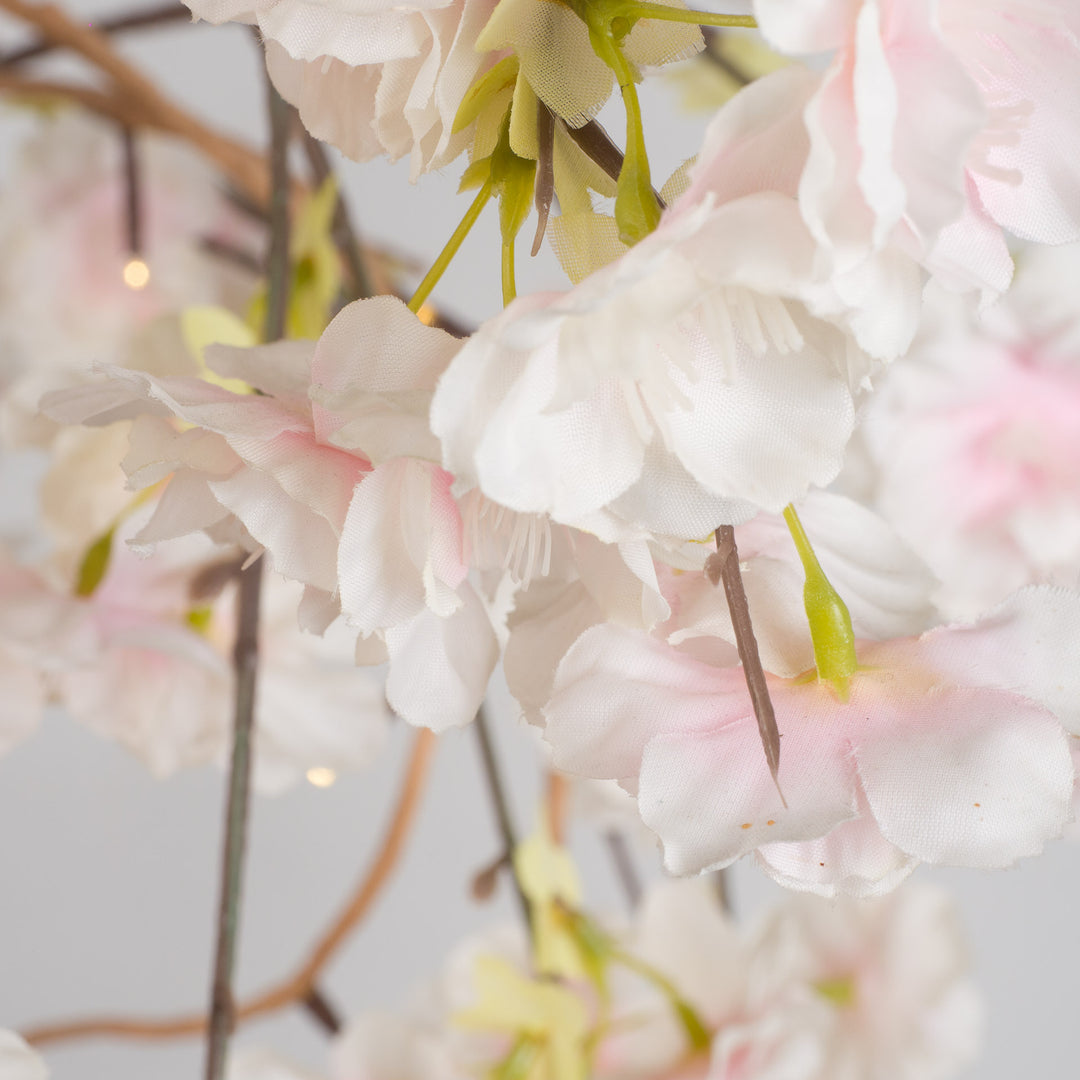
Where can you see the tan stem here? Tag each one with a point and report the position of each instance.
(134, 98)
(300, 984)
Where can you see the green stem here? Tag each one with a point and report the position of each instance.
(637, 211)
(683, 15)
(828, 616)
(438, 268)
(697, 1034)
(509, 283)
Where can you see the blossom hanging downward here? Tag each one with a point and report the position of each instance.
(949, 748)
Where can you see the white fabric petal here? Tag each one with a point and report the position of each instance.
(995, 768)
(439, 667)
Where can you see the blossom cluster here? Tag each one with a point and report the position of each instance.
(815, 990)
(771, 516)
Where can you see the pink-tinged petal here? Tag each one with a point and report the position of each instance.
(853, 859)
(1030, 180)
(440, 667)
(965, 777)
(1027, 645)
(940, 113)
(302, 543)
(832, 204)
(757, 142)
(321, 477)
(186, 505)
(400, 547)
(279, 369)
(710, 798)
(616, 689)
(774, 590)
(971, 251)
(802, 27)
(371, 348)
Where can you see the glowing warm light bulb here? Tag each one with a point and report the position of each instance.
(321, 777)
(136, 274)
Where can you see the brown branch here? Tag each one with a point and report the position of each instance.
(133, 20)
(343, 231)
(625, 869)
(134, 99)
(245, 674)
(298, 986)
(499, 804)
(723, 565)
(558, 794)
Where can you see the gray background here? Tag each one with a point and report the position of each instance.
(109, 878)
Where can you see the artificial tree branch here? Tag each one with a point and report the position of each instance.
(501, 807)
(246, 652)
(724, 566)
(558, 794)
(132, 98)
(299, 986)
(142, 19)
(342, 228)
(625, 869)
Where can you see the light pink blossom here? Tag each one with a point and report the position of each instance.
(950, 748)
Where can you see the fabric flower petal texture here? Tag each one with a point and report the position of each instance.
(681, 387)
(941, 751)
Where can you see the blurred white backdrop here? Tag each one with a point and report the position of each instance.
(109, 878)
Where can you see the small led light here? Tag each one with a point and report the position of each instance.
(321, 777)
(427, 314)
(136, 274)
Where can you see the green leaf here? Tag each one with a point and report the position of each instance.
(95, 565)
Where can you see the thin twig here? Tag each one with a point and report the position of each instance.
(713, 37)
(132, 191)
(132, 98)
(597, 145)
(625, 869)
(324, 1013)
(133, 20)
(722, 888)
(558, 793)
(544, 190)
(245, 669)
(724, 566)
(501, 807)
(299, 985)
(343, 231)
(246, 653)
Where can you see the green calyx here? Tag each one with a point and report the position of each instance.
(829, 618)
(637, 211)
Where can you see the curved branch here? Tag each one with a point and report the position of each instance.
(293, 989)
(136, 96)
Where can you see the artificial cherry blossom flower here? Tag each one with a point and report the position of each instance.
(64, 296)
(683, 386)
(974, 440)
(330, 470)
(878, 988)
(949, 749)
(935, 125)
